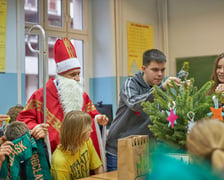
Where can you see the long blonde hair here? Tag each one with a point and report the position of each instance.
(73, 130)
(206, 139)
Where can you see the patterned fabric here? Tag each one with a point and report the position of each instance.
(30, 152)
(65, 56)
(69, 48)
(33, 113)
(64, 165)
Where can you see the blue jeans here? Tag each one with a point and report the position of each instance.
(111, 162)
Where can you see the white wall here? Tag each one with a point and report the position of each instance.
(196, 28)
(14, 36)
(12, 89)
(137, 11)
(108, 20)
(102, 38)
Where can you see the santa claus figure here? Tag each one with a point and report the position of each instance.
(63, 94)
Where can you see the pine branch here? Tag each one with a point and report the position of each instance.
(187, 99)
(201, 93)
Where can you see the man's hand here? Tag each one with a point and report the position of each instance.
(169, 80)
(102, 119)
(5, 149)
(40, 131)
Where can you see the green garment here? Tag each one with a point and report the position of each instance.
(166, 167)
(31, 153)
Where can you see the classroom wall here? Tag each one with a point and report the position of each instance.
(102, 80)
(181, 29)
(196, 28)
(109, 68)
(12, 79)
(141, 12)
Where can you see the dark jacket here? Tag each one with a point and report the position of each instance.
(130, 118)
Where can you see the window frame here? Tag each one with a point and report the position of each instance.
(64, 31)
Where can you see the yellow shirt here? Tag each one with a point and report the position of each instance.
(66, 166)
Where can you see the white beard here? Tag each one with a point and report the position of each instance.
(70, 94)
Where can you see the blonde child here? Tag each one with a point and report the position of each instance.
(75, 156)
(206, 140)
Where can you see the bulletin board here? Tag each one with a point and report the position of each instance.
(200, 68)
(139, 39)
(3, 14)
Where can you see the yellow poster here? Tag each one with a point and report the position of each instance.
(3, 14)
(140, 39)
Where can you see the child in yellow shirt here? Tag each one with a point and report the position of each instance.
(75, 156)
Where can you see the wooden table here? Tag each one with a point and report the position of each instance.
(108, 175)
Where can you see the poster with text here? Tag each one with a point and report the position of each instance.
(3, 14)
(140, 39)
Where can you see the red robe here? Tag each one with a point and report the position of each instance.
(33, 113)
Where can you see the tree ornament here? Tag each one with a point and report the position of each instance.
(172, 114)
(216, 112)
(183, 73)
(191, 122)
(188, 100)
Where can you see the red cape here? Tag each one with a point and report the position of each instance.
(33, 113)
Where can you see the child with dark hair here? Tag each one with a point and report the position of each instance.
(75, 156)
(11, 116)
(16, 130)
(27, 159)
(14, 112)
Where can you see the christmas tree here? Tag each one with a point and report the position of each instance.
(175, 110)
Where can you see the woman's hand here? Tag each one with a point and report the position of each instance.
(220, 88)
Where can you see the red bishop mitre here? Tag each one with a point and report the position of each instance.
(65, 56)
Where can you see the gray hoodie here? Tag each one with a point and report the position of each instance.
(130, 118)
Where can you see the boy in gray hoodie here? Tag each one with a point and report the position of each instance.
(130, 118)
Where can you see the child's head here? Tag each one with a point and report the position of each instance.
(14, 112)
(206, 139)
(15, 130)
(75, 130)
